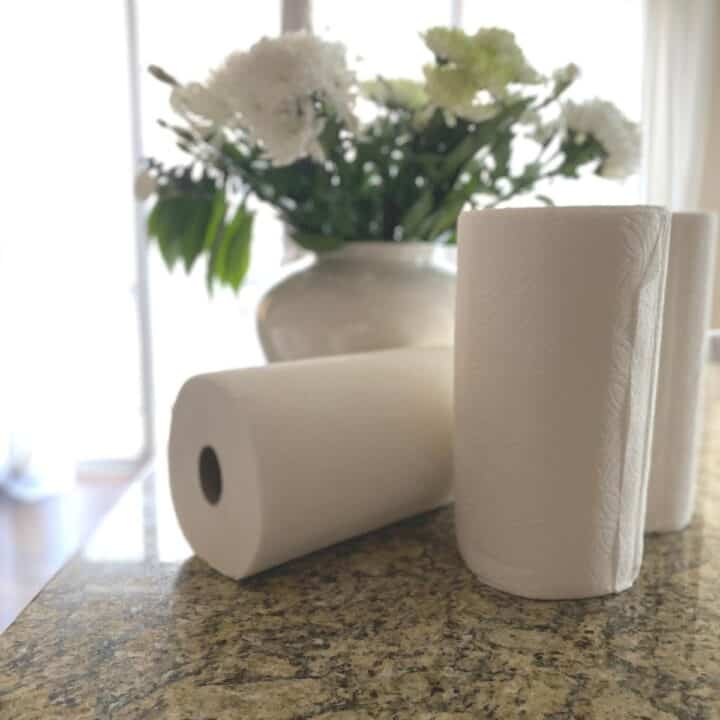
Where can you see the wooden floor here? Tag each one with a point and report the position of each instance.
(37, 539)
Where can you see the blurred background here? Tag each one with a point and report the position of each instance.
(97, 335)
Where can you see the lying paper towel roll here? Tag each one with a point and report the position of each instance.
(556, 352)
(671, 488)
(270, 463)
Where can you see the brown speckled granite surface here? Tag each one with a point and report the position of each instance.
(386, 626)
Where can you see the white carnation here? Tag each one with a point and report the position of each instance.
(619, 136)
(273, 91)
(145, 185)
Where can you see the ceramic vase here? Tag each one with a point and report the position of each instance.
(365, 296)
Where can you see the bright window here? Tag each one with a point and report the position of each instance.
(382, 38)
(70, 380)
(192, 333)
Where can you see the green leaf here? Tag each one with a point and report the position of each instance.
(161, 75)
(486, 133)
(216, 260)
(445, 217)
(501, 155)
(179, 223)
(237, 257)
(230, 252)
(169, 250)
(192, 234)
(217, 219)
(545, 200)
(156, 219)
(461, 154)
(213, 238)
(410, 222)
(165, 224)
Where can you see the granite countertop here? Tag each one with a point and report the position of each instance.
(390, 625)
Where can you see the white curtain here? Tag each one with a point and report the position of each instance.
(678, 79)
(710, 189)
(681, 75)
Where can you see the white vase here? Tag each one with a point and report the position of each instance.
(364, 296)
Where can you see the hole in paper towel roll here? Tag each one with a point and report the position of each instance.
(210, 475)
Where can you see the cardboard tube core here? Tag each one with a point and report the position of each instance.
(210, 475)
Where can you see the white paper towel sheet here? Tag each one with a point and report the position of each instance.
(671, 489)
(271, 463)
(556, 353)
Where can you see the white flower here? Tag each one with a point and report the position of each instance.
(619, 137)
(489, 60)
(145, 185)
(196, 103)
(278, 90)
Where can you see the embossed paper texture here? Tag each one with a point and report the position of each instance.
(558, 324)
(671, 490)
(311, 453)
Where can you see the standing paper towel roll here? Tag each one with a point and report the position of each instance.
(556, 353)
(270, 463)
(671, 488)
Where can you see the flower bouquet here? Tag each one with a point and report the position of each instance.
(287, 123)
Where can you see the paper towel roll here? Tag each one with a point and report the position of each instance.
(671, 488)
(270, 463)
(556, 353)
